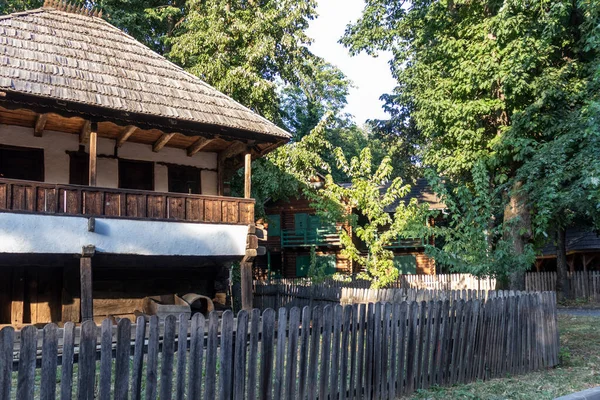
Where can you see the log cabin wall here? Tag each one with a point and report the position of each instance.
(56, 159)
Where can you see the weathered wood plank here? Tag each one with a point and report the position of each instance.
(122, 359)
(239, 368)
(211, 356)
(66, 380)
(106, 341)
(196, 356)
(168, 356)
(253, 353)
(87, 361)
(7, 338)
(138, 359)
(182, 348)
(226, 358)
(152, 359)
(266, 365)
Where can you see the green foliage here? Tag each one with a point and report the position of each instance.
(317, 271)
(370, 195)
(244, 48)
(473, 242)
(509, 87)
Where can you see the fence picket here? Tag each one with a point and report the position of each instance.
(168, 353)
(239, 367)
(266, 367)
(226, 359)
(253, 353)
(86, 362)
(66, 373)
(138, 359)
(212, 345)
(182, 349)
(152, 359)
(7, 338)
(49, 362)
(106, 341)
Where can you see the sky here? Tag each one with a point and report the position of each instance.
(370, 76)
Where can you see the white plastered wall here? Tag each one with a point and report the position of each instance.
(55, 145)
(53, 234)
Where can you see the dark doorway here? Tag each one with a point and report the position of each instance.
(184, 179)
(136, 175)
(22, 163)
(79, 167)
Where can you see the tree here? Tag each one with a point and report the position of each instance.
(478, 78)
(364, 206)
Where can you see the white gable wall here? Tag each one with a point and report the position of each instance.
(55, 145)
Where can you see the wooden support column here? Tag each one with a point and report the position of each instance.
(247, 175)
(93, 153)
(246, 267)
(85, 281)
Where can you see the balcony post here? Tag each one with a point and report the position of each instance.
(93, 155)
(247, 175)
(85, 279)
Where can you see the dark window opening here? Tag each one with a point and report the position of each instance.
(22, 163)
(79, 167)
(137, 175)
(184, 179)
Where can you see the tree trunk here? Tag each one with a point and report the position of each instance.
(518, 232)
(563, 287)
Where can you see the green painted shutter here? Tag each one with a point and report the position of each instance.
(406, 264)
(300, 223)
(302, 265)
(274, 225)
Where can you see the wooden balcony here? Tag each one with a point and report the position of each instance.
(44, 198)
(325, 236)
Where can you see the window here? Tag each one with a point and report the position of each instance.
(184, 179)
(136, 175)
(274, 222)
(406, 264)
(79, 167)
(22, 163)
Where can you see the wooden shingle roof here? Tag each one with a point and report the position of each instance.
(82, 59)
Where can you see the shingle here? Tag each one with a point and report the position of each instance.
(84, 59)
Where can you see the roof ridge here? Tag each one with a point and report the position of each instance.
(69, 7)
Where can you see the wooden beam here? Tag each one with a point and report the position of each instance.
(198, 145)
(84, 134)
(93, 153)
(160, 143)
(247, 175)
(233, 150)
(85, 281)
(125, 135)
(40, 124)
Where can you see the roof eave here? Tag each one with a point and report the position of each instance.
(18, 100)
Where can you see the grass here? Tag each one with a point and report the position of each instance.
(579, 369)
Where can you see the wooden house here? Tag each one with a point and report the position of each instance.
(583, 251)
(294, 229)
(114, 165)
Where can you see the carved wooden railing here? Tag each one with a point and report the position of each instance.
(37, 197)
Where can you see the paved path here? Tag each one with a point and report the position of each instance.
(580, 312)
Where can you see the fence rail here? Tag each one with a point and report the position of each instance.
(374, 351)
(584, 284)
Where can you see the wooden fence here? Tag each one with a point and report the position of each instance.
(431, 282)
(584, 284)
(289, 295)
(374, 351)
